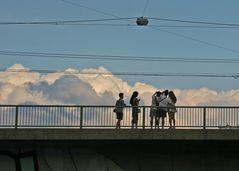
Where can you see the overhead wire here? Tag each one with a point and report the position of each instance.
(86, 23)
(153, 18)
(89, 8)
(93, 9)
(197, 40)
(145, 7)
(195, 22)
(152, 25)
(89, 22)
(138, 58)
(64, 21)
(115, 57)
(116, 18)
(76, 72)
(156, 27)
(195, 26)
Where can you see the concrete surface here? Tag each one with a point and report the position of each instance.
(113, 134)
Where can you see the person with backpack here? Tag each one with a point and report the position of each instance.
(134, 101)
(119, 109)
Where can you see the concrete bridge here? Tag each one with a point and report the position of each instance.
(43, 145)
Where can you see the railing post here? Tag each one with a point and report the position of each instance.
(81, 117)
(204, 118)
(16, 117)
(143, 117)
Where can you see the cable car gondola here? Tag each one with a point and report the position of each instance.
(142, 21)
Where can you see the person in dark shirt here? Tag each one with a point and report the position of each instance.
(119, 109)
(172, 109)
(134, 101)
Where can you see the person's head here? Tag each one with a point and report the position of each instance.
(165, 92)
(121, 95)
(134, 95)
(158, 93)
(172, 96)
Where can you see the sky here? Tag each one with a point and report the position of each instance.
(119, 38)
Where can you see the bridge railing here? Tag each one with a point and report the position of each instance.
(80, 117)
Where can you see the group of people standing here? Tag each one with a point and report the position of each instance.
(162, 103)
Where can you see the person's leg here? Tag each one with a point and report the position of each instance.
(136, 120)
(163, 118)
(161, 115)
(151, 122)
(173, 121)
(117, 117)
(157, 117)
(162, 122)
(120, 119)
(133, 118)
(118, 124)
(156, 122)
(170, 120)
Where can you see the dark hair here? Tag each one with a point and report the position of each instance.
(158, 93)
(172, 96)
(121, 95)
(165, 92)
(134, 95)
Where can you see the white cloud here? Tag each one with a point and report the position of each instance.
(94, 88)
(18, 78)
(102, 83)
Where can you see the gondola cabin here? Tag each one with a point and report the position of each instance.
(142, 21)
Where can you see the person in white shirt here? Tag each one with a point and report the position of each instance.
(163, 103)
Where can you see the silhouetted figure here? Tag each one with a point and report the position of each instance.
(134, 101)
(154, 108)
(162, 111)
(172, 109)
(119, 109)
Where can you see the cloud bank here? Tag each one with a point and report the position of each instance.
(93, 89)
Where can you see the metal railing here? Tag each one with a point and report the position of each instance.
(46, 116)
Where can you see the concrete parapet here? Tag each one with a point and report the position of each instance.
(117, 134)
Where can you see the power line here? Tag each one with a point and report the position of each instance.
(153, 18)
(197, 40)
(115, 57)
(91, 9)
(195, 26)
(63, 21)
(153, 25)
(75, 72)
(145, 7)
(85, 23)
(116, 18)
(195, 22)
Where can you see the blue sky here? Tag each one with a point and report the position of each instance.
(125, 40)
